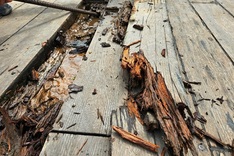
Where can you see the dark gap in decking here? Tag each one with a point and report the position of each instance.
(80, 133)
(212, 33)
(225, 9)
(23, 26)
(185, 75)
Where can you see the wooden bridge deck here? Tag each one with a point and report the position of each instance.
(198, 38)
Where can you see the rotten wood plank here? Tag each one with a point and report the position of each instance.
(204, 61)
(101, 72)
(70, 144)
(23, 47)
(220, 23)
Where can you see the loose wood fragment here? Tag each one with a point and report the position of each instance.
(138, 26)
(71, 126)
(35, 75)
(135, 42)
(82, 147)
(163, 53)
(208, 135)
(135, 139)
(133, 109)
(13, 68)
(11, 135)
(154, 96)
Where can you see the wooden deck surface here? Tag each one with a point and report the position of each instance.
(22, 35)
(198, 38)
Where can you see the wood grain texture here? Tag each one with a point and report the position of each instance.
(23, 46)
(71, 145)
(204, 61)
(202, 1)
(228, 5)
(102, 71)
(20, 17)
(220, 23)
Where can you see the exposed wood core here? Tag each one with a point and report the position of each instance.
(150, 92)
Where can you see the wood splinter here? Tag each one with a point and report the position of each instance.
(133, 138)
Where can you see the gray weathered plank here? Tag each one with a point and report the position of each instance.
(227, 4)
(18, 19)
(202, 1)
(24, 46)
(71, 145)
(102, 71)
(204, 61)
(220, 23)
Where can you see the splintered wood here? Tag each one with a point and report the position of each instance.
(133, 138)
(149, 91)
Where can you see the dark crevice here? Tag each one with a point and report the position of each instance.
(80, 133)
(225, 9)
(225, 52)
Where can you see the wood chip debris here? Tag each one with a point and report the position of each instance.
(135, 139)
(73, 88)
(12, 68)
(138, 26)
(163, 53)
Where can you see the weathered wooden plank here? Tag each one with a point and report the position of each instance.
(24, 46)
(202, 1)
(220, 23)
(18, 19)
(204, 61)
(15, 4)
(70, 144)
(228, 5)
(102, 71)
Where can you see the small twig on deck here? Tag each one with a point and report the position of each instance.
(135, 139)
(82, 147)
(71, 125)
(135, 42)
(210, 136)
(12, 68)
(59, 118)
(99, 115)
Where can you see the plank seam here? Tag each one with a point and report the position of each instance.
(80, 133)
(225, 9)
(23, 26)
(211, 33)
